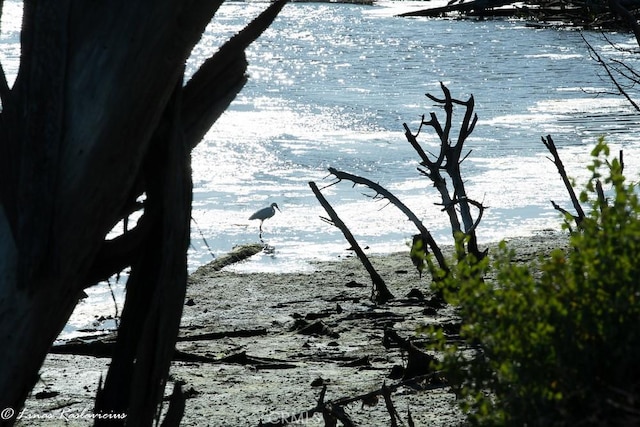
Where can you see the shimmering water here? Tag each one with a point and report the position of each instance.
(331, 85)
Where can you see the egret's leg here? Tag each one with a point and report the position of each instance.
(260, 235)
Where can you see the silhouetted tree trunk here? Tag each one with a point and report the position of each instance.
(97, 117)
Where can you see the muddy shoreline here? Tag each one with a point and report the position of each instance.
(274, 371)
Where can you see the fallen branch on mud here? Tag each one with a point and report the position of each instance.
(103, 348)
(237, 254)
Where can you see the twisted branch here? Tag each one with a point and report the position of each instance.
(383, 192)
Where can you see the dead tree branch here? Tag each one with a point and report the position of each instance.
(551, 146)
(609, 71)
(433, 171)
(383, 192)
(381, 292)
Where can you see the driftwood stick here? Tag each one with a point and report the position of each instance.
(391, 409)
(551, 146)
(424, 232)
(237, 254)
(382, 293)
(224, 334)
(410, 422)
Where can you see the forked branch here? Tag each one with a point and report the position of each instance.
(551, 146)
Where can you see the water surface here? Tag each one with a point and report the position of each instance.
(332, 84)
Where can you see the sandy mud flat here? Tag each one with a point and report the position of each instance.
(247, 358)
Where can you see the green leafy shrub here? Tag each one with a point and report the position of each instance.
(555, 342)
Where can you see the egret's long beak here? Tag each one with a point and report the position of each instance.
(278, 209)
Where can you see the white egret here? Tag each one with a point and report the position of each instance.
(265, 213)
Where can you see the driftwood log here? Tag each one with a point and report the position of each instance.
(237, 254)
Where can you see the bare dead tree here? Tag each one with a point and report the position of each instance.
(449, 161)
(580, 215)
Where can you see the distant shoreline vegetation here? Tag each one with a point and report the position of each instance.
(362, 2)
(592, 15)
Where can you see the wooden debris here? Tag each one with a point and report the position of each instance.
(418, 362)
(237, 254)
